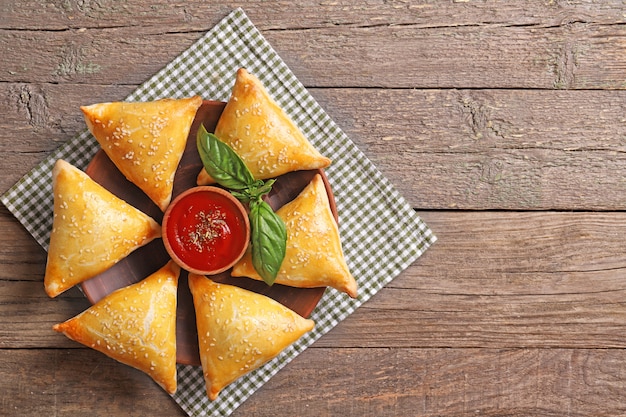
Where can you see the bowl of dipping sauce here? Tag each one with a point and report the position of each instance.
(206, 230)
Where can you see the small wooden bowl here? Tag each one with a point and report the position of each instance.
(206, 230)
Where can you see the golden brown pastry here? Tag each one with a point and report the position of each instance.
(262, 134)
(145, 140)
(92, 229)
(314, 257)
(239, 330)
(135, 325)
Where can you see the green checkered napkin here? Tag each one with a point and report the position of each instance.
(381, 234)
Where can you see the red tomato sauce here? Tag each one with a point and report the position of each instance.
(206, 230)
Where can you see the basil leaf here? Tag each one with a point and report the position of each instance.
(254, 192)
(243, 196)
(260, 188)
(268, 240)
(222, 163)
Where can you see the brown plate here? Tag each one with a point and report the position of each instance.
(146, 260)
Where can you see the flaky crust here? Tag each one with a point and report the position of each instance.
(92, 229)
(262, 134)
(239, 330)
(135, 325)
(314, 257)
(145, 140)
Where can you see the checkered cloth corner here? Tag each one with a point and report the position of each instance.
(381, 233)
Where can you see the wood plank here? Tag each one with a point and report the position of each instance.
(467, 149)
(491, 149)
(332, 381)
(570, 56)
(21, 257)
(76, 382)
(39, 117)
(103, 56)
(573, 55)
(503, 279)
(270, 15)
(28, 315)
(493, 279)
(445, 382)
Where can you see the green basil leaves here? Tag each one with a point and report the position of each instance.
(268, 236)
(222, 163)
(268, 240)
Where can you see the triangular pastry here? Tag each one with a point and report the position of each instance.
(135, 325)
(239, 330)
(314, 257)
(145, 140)
(92, 229)
(262, 134)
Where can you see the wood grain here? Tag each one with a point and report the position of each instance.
(268, 16)
(502, 122)
(412, 381)
(76, 382)
(492, 149)
(466, 149)
(574, 54)
(511, 279)
(436, 382)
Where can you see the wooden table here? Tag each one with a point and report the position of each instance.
(502, 122)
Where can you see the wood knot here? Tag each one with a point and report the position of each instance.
(31, 99)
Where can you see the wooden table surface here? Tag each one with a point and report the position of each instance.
(503, 123)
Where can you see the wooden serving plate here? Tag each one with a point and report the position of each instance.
(146, 260)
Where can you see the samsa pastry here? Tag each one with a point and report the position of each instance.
(262, 134)
(135, 325)
(314, 257)
(239, 330)
(92, 229)
(145, 140)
